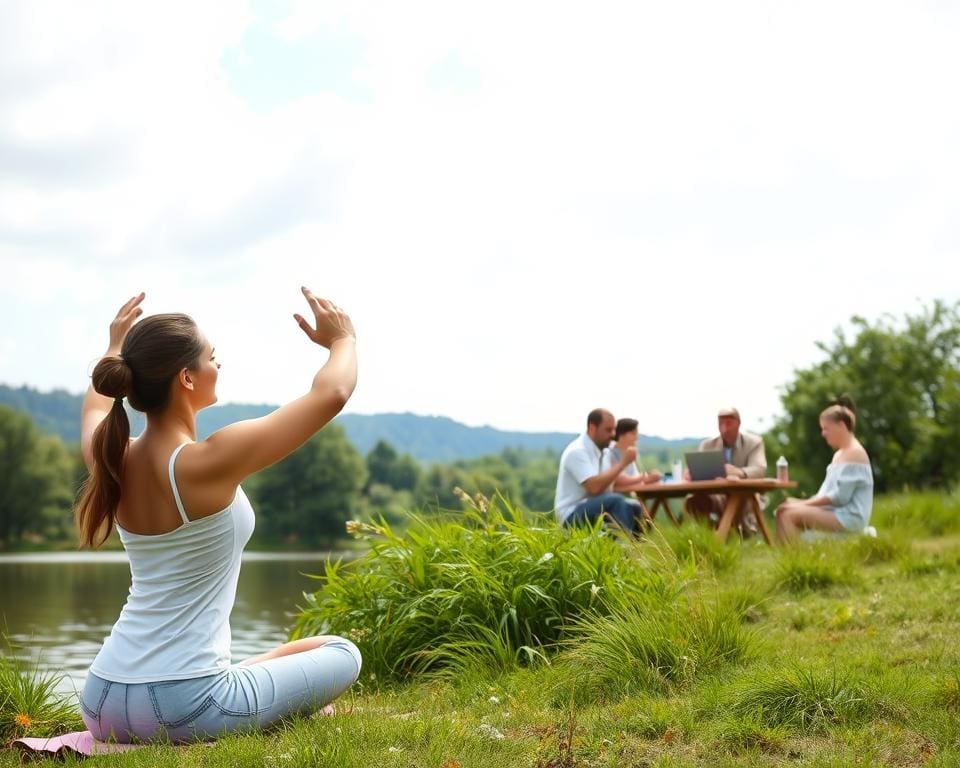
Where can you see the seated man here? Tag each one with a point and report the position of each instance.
(631, 478)
(583, 482)
(744, 458)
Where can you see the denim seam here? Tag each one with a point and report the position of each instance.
(103, 696)
(204, 705)
(250, 713)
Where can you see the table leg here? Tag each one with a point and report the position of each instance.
(754, 507)
(648, 513)
(730, 509)
(663, 503)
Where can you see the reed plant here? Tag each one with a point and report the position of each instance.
(488, 586)
(30, 704)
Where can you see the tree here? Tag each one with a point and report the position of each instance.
(386, 467)
(903, 378)
(308, 496)
(36, 479)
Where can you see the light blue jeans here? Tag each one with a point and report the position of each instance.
(241, 698)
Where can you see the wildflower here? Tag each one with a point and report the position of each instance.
(594, 590)
(490, 732)
(23, 720)
(356, 528)
(493, 700)
(481, 502)
(461, 494)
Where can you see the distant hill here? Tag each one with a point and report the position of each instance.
(426, 438)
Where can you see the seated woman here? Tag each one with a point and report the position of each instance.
(845, 498)
(631, 478)
(164, 672)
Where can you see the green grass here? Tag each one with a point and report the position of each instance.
(704, 666)
(489, 587)
(29, 703)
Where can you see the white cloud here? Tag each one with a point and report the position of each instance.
(654, 207)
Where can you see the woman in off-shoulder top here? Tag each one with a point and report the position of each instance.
(845, 498)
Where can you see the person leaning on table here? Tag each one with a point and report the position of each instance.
(582, 483)
(630, 478)
(744, 459)
(845, 498)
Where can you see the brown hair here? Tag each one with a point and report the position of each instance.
(626, 425)
(596, 416)
(843, 410)
(154, 351)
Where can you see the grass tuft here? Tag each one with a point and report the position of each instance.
(699, 544)
(651, 647)
(801, 698)
(806, 568)
(29, 702)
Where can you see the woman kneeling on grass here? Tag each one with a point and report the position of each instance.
(845, 499)
(164, 673)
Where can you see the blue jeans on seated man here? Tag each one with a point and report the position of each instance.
(625, 511)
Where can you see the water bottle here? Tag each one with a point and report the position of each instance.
(678, 471)
(783, 471)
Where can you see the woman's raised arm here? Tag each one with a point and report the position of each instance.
(240, 449)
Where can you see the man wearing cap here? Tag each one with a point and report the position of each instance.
(744, 458)
(584, 479)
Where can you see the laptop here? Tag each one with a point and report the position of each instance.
(705, 465)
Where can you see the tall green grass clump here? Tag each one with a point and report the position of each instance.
(810, 567)
(29, 702)
(801, 698)
(651, 645)
(483, 588)
(932, 513)
(699, 544)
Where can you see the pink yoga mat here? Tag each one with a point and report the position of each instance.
(77, 743)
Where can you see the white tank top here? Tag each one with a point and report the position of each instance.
(175, 624)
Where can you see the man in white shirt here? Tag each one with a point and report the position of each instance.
(582, 483)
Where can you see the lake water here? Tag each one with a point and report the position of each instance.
(60, 606)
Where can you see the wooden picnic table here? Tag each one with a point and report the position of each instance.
(739, 493)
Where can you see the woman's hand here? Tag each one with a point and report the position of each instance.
(122, 323)
(332, 323)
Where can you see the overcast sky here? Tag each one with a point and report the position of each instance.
(530, 209)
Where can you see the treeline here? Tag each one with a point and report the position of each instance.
(303, 500)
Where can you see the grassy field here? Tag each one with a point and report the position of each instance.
(841, 653)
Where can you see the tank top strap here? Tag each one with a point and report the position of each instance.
(173, 483)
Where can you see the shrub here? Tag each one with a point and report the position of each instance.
(486, 587)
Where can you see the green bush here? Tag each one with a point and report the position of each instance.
(487, 587)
